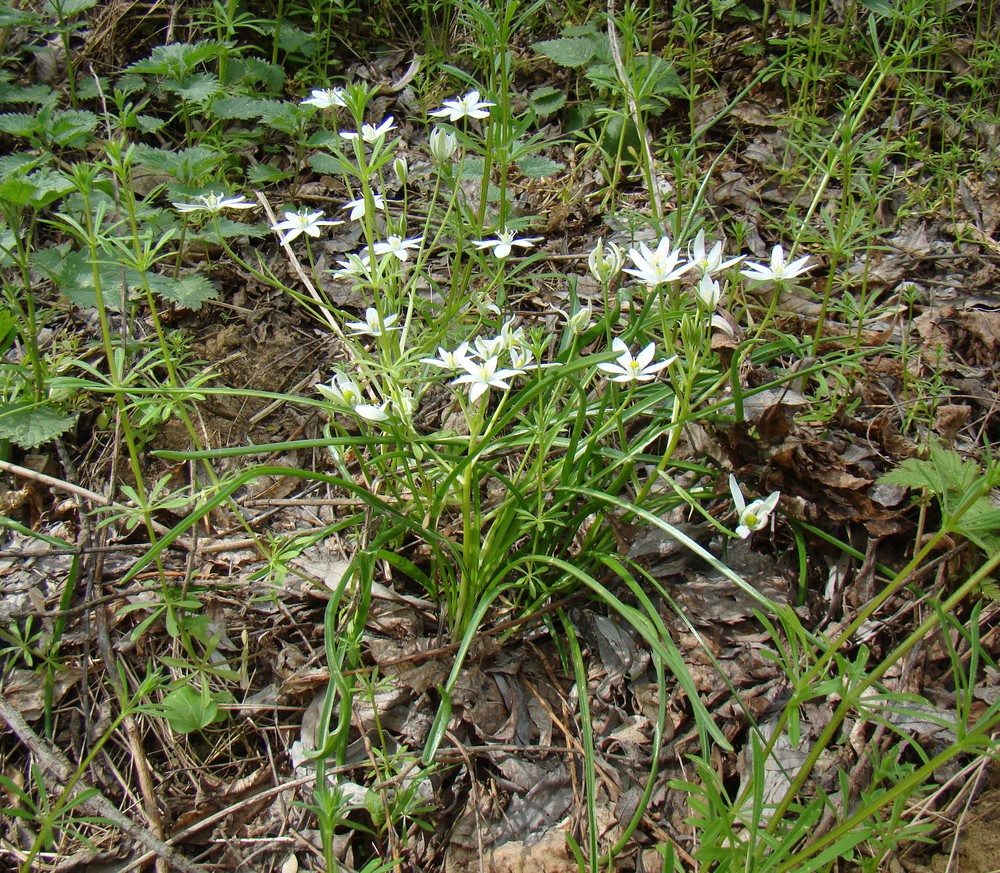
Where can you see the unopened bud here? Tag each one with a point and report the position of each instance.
(708, 292)
(580, 320)
(605, 265)
(443, 144)
(401, 169)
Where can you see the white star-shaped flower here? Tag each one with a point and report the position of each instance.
(354, 266)
(469, 106)
(373, 325)
(657, 267)
(481, 377)
(449, 360)
(778, 270)
(214, 204)
(709, 263)
(369, 133)
(358, 206)
(344, 392)
(325, 98)
(641, 368)
(396, 245)
(302, 222)
(754, 516)
(505, 240)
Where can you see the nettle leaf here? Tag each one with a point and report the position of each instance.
(18, 162)
(149, 124)
(189, 292)
(18, 124)
(331, 164)
(657, 82)
(188, 710)
(260, 175)
(177, 59)
(196, 89)
(227, 229)
(546, 100)
(11, 17)
(538, 167)
(295, 41)
(73, 275)
(944, 472)
(282, 116)
(16, 191)
(72, 128)
(30, 424)
(68, 8)
(251, 71)
(243, 107)
(473, 168)
(34, 94)
(185, 165)
(50, 185)
(567, 51)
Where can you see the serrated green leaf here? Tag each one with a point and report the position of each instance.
(241, 107)
(177, 59)
(567, 51)
(264, 174)
(227, 228)
(251, 71)
(294, 40)
(31, 424)
(282, 116)
(187, 710)
(579, 30)
(547, 100)
(879, 7)
(34, 94)
(196, 89)
(473, 168)
(19, 162)
(18, 124)
(72, 128)
(68, 8)
(74, 277)
(943, 471)
(149, 124)
(538, 167)
(331, 164)
(49, 186)
(189, 292)
(11, 17)
(187, 165)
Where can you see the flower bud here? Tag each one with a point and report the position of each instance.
(580, 320)
(401, 169)
(708, 292)
(443, 144)
(605, 265)
(404, 404)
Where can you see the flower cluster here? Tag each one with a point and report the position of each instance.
(478, 365)
(663, 265)
(344, 392)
